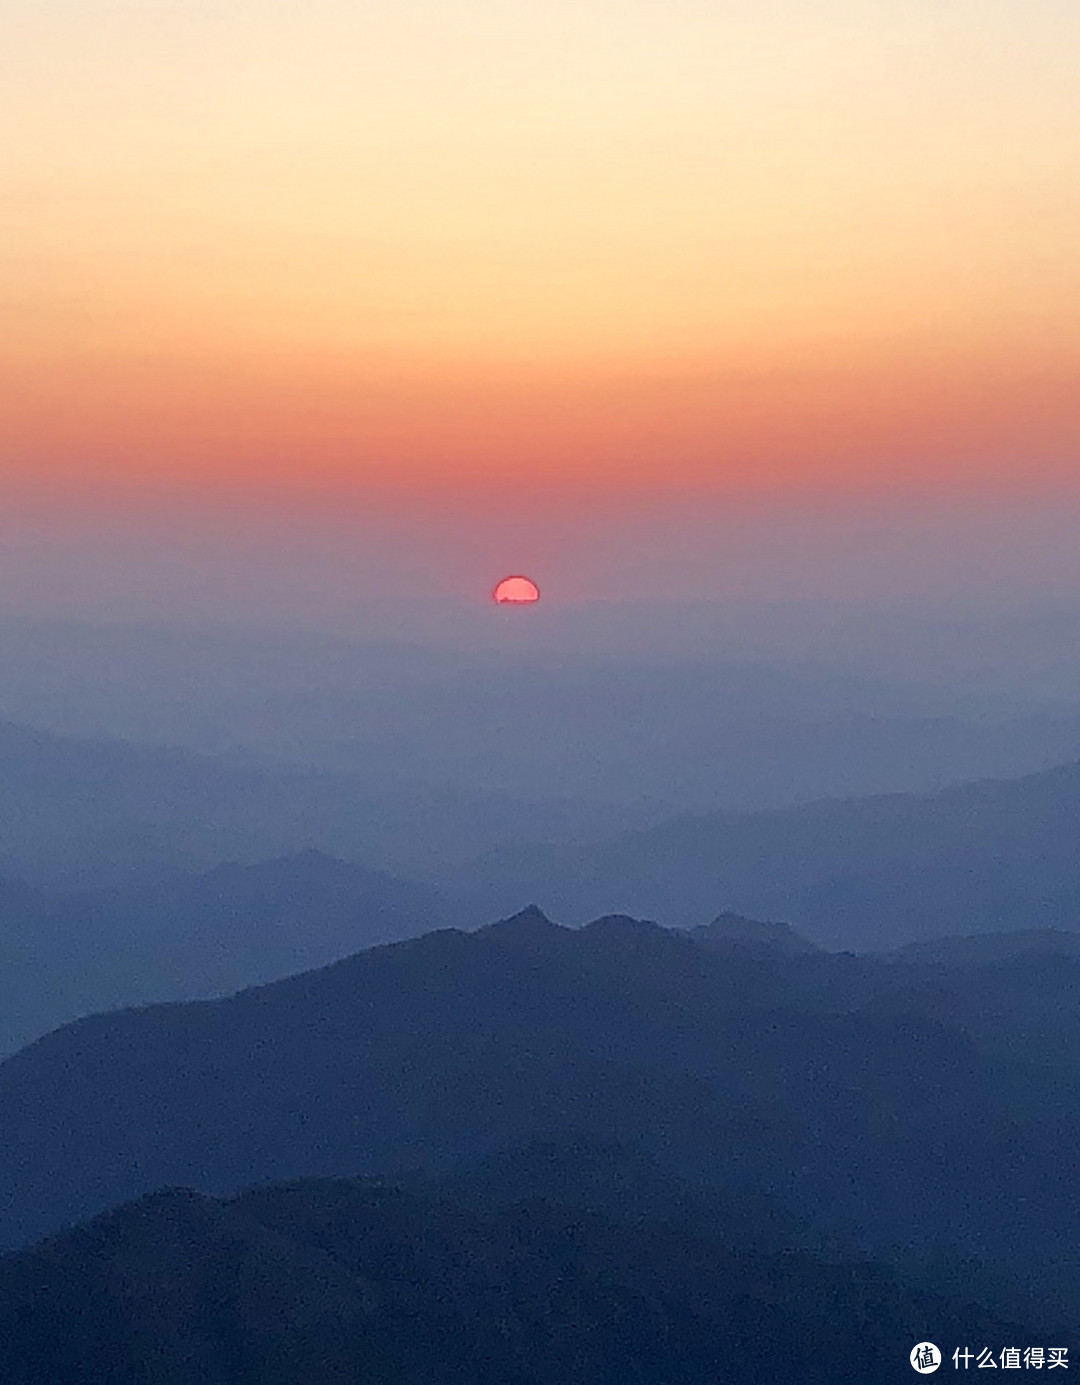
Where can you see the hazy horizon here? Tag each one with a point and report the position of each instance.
(673, 978)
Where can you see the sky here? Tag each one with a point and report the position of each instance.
(475, 264)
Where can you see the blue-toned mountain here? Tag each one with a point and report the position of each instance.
(889, 1102)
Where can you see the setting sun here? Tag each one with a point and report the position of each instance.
(517, 591)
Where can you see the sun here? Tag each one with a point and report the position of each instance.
(517, 591)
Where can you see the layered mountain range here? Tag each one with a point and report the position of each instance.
(860, 873)
(506, 1275)
(193, 936)
(821, 1109)
(922, 1103)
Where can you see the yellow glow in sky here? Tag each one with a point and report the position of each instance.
(234, 233)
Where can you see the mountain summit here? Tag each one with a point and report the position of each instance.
(889, 1101)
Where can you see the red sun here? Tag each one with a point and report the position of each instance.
(517, 591)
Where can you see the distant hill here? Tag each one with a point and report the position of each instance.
(701, 706)
(80, 814)
(856, 873)
(194, 936)
(922, 898)
(989, 947)
(730, 930)
(885, 1103)
(336, 1282)
(864, 874)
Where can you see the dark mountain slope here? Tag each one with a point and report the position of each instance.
(895, 1107)
(624, 1184)
(350, 1282)
(238, 925)
(858, 873)
(193, 937)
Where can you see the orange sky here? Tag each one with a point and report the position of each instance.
(418, 244)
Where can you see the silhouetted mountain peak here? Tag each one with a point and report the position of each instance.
(620, 933)
(623, 924)
(730, 928)
(530, 926)
(860, 873)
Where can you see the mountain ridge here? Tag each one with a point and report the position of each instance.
(81, 814)
(195, 936)
(371, 1281)
(876, 1100)
(791, 864)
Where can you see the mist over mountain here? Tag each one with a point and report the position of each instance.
(635, 1152)
(908, 1109)
(539, 691)
(82, 814)
(862, 873)
(193, 937)
(198, 936)
(643, 708)
(854, 873)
